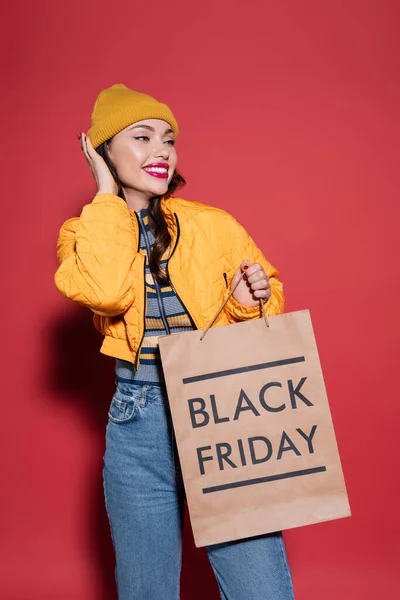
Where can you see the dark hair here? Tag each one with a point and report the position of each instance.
(157, 221)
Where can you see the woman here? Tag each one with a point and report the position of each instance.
(149, 264)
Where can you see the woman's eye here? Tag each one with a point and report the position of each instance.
(145, 137)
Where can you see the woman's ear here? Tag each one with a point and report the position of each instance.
(109, 148)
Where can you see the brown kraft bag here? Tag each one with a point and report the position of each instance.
(253, 428)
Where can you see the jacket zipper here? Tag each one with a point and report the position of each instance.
(144, 296)
(172, 285)
(226, 279)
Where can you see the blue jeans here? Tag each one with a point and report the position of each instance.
(144, 497)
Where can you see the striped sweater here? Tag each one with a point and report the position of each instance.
(165, 314)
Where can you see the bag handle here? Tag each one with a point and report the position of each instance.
(226, 300)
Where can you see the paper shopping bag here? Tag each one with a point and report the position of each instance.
(253, 428)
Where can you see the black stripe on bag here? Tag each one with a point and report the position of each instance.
(235, 484)
(227, 372)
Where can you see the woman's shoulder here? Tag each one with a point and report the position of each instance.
(188, 209)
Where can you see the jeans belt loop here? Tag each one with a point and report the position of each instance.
(143, 395)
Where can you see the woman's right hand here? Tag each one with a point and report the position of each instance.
(105, 182)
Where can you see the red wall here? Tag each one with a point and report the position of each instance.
(289, 117)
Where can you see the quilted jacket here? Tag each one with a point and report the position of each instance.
(101, 267)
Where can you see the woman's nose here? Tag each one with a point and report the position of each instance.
(162, 151)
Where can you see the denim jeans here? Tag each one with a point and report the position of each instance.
(144, 497)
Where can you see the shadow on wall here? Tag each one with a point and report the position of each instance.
(80, 374)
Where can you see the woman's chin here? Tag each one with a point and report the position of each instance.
(159, 188)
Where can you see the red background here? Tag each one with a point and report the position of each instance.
(289, 117)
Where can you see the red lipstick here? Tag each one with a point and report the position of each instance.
(158, 169)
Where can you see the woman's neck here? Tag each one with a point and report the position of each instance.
(135, 200)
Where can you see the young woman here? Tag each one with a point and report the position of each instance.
(149, 264)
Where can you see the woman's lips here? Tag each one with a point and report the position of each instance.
(159, 170)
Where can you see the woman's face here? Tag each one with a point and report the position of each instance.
(145, 157)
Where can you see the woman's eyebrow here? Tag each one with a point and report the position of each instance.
(169, 130)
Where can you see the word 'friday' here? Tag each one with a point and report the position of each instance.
(200, 412)
(256, 449)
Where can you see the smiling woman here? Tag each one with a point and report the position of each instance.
(138, 145)
(150, 264)
(133, 149)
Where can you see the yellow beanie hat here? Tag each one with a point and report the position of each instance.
(118, 107)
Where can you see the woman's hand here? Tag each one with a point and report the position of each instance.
(105, 182)
(253, 286)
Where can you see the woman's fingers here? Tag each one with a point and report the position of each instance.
(101, 173)
(84, 147)
(89, 151)
(251, 269)
(261, 288)
(89, 148)
(258, 280)
(260, 284)
(262, 293)
(256, 273)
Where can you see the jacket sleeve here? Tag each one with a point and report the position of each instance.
(241, 247)
(96, 252)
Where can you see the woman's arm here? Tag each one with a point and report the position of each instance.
(96, 252)
(242, 247)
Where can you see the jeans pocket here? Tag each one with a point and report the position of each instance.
(122, 408)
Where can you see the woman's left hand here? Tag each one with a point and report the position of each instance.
(253, 286)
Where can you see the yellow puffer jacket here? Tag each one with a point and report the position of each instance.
(101, 267)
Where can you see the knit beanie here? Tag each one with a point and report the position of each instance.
(118, 107)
